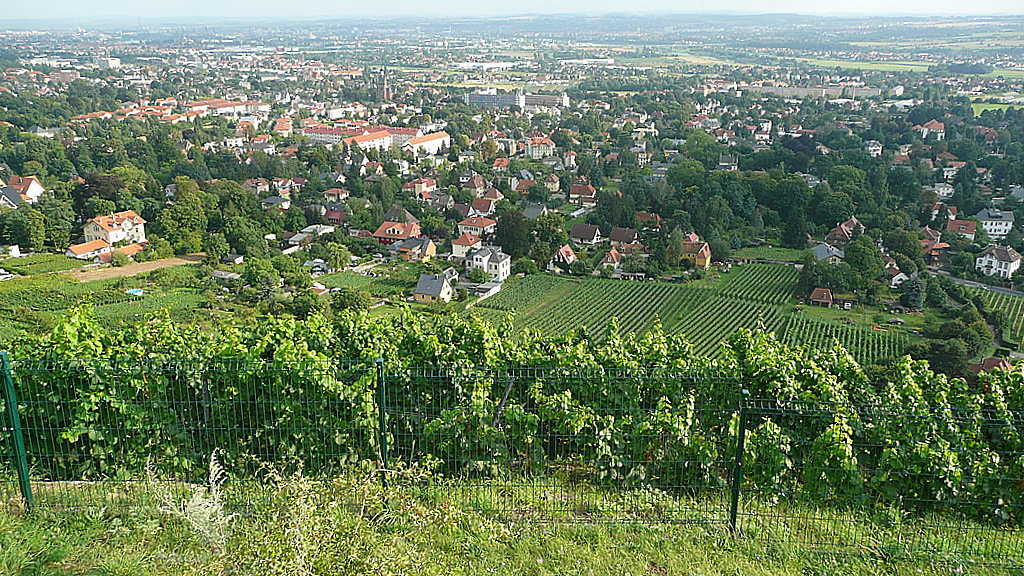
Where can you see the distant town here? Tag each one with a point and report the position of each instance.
(845, 185)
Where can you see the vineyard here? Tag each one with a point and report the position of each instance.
(717, 317)
(769, 283)
(1013, 306)
(40, 264)
(868, 346)
(705, 314)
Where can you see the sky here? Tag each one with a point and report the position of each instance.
(301, 9)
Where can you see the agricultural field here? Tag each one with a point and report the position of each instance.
(867, 345)
(1013, 306)
(39, 264)
(36, 302)
(704, 312)
(771, 253)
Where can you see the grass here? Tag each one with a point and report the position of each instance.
(40, 264)
(344, 527)
(882, 66)
(771, 253)
(980, 107)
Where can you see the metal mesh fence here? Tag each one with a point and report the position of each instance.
(568, 445)
(890, 481)
(642, 445)
(94, 433)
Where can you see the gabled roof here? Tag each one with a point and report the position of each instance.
(431, 284)
(87, 247)
(467, 239)
(1000, 253)
(821, 295)
(962, 226)
(584, 231)
(623, 234)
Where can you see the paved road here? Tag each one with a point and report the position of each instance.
(973, 284)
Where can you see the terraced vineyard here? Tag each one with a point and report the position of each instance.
(769, 283)
(716, 318)
(1013, 306)
(866, 345)
(593, 303)
(704, 314)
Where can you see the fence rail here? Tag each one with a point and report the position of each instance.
(531, 443)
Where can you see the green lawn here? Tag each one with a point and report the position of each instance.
(771, 253)
(349, 527)
(40, 263)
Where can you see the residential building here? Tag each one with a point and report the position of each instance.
(537, 148)
(562, 260)
(414, 249)
(431, 288)
(844, 232)
(391, 232)
(428, 144)
(117, 227)
(965, 228)
(828, 253)
(589, 234)
(477, 226)
(998, 260)
(699, 253)
(996, 223)
(465, 244)
(491, 260)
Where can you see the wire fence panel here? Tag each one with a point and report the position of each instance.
(889, 481)
(540, 444)
(108, 427)
(570, 445)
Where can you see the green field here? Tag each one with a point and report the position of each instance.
(36, 302)
(882, 66)
(349, 527)
(40, 263)
(1013, 306)
(705, 313)
(980, 107)
(770, 253)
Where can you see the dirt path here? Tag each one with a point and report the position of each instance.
(133, 268)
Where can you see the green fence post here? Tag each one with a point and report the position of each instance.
(19, 455)
(737, 470)
(382, 432)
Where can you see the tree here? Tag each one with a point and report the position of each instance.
(913, 294)
(261, 275)
(36, 228)
(118, 259)
(215, 247)
(350, 299)
(478, 275)
(864, 259)
(720, 250)
(513, 234)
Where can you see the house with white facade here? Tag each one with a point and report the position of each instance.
(491, 260)
(116, 227)
(997, 260)
(996, 223)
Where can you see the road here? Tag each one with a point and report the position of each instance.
(133, 268)
(972, 284)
